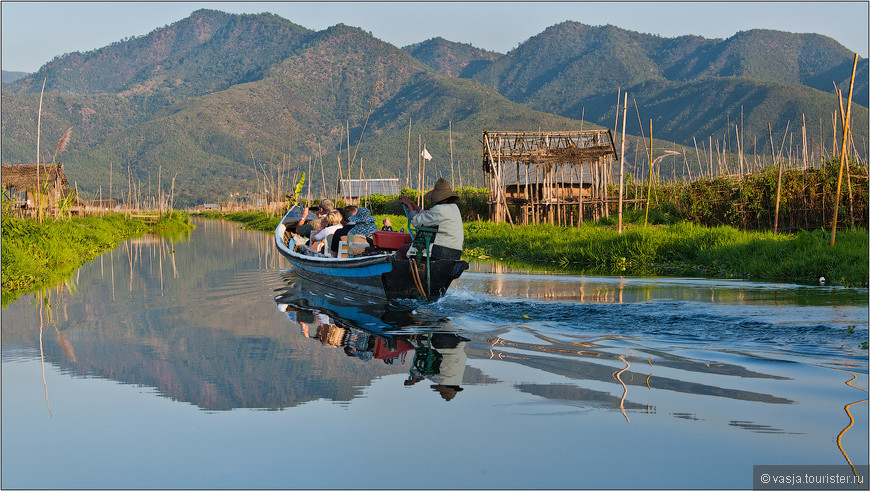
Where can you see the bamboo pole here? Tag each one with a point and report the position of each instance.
(129, 191)
(726, 143)
(688, 176)
(349, 170)
(741, 137)
(322, 171)
(711, 157)
(38, 136)
(571, 177)
(622, 162)
(843, 151)
(159, 191)
(419, 171)
(778, 180)
(649, 188)
(341, 178)
(528, 196)
(804, 138)
(452, 178)
(500, 194)
(408, 168)
(848, 170)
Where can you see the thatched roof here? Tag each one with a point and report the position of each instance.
(22, 177)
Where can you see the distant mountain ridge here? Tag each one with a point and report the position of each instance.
(451, 58)
(220, 100)
(575, 70)
(573, 58)
(10, 76)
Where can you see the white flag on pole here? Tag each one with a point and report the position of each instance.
(425, 154)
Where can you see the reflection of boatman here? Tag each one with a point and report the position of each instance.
(447, 370)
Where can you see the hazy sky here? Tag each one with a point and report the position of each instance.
(35, 32)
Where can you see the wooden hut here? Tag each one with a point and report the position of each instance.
(547, 176)
(104, 204)
(20, 183)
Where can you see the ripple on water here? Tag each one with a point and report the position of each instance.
(809, 331)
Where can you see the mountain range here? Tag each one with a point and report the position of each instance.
(222, 102)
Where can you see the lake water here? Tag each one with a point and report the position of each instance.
(202, 362)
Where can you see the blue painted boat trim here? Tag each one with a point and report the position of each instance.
(354, 272)
(348, 268)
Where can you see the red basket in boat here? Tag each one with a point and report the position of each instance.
(391, 240)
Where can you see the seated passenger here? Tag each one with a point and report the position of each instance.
(348, 223)
(333, 223)
(310, 224)
(445, 215)
(365, 223)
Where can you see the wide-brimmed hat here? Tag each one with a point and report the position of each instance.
(441, 191)
(447, 392)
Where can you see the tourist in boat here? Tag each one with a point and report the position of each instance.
(305, 229)
(364, 223)
(445, 215)
(333, 223)
(293, 221)
(347, 223)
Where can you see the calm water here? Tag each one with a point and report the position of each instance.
(201, 362)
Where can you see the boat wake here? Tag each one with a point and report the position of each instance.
(690, 324)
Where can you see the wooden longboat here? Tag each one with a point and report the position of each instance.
(379, 275)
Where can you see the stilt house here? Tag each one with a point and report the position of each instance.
(547, 176)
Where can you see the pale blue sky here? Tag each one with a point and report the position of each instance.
(35, 32)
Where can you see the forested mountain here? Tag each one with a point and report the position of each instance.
(454, 59)
(207, 52)
(223, 141)
(218, 101)
(689, 85)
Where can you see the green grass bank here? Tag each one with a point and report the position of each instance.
(681, 249)
(677, 249)
(37, 255)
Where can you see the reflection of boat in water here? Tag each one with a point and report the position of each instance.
(370, 330)
(379, 273)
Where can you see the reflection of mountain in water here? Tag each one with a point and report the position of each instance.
(217, 370)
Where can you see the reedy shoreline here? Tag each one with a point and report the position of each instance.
(680, 249)
(36, 256)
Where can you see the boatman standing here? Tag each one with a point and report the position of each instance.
(445, 215)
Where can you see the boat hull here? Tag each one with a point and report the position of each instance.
(381, 276)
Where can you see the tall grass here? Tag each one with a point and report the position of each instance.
(37, 255)
(681, 249)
